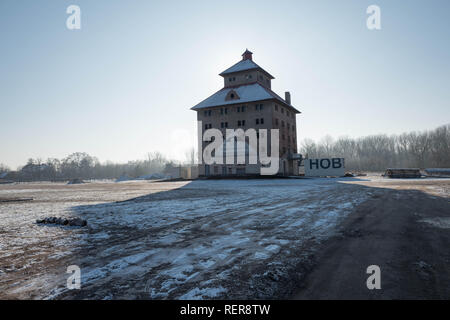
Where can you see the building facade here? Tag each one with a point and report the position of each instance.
(247, 101)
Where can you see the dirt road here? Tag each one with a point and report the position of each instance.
(405, 230)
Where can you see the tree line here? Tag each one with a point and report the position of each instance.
(80, 165)
(426, 149)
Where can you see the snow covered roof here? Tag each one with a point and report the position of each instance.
(243, 65)
(247, 93)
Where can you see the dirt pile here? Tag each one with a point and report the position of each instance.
(77, 222)
(76, 181)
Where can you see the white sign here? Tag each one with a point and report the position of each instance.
(334, 167)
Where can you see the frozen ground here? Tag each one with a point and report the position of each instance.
(176, 240)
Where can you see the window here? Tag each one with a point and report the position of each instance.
(226, 110)
(257, 121)
(209, 113)
(276, 107)
(243, 108)
(283, 137)
(282, 110)
(206, 126)
(282, 123)
(222, 124)
(221, 111)
(239, 123)
(276, 121)
(232, 96)
(262, 120)
(238, 109)
(206, 113)
(288, 126)
(258, 106)
(243, 123)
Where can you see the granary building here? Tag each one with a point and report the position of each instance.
(247, 101)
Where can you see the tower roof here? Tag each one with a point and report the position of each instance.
(245, 64)
(247, 93)
(247, 55)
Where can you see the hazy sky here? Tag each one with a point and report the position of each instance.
(124, 84)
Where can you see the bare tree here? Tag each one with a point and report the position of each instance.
(327, 146)
(4, 168)
(309, 148)
(377, 152)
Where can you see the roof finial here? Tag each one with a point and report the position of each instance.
(247, 55)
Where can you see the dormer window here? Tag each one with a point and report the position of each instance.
(232, 95)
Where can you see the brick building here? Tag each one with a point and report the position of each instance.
(247, 101)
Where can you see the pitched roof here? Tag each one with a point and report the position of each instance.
(247, 93)
(244, 65)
